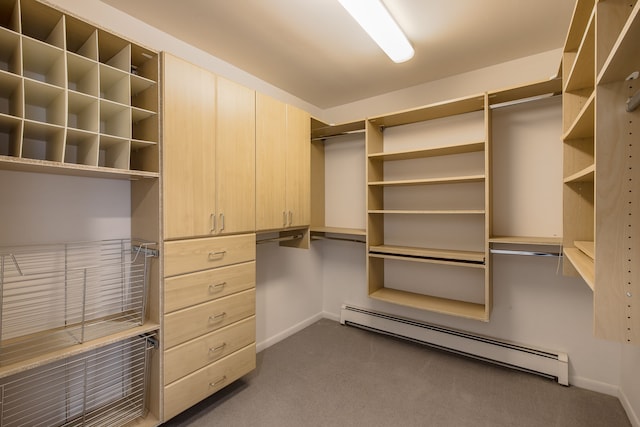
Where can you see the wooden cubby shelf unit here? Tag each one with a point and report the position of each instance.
(77, 95)
(428, 168)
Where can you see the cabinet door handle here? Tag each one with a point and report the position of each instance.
(284, 218)
(213, 223)
(217, 287)
(221, 221)
(220, 381)
(290, 217)
(216, 255)
(217, 317)
(217, 348)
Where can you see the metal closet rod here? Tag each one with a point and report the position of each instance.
(279, 239)
(336, 238)
(525, 253)
(351, 132)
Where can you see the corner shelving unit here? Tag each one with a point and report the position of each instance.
(78, 100)
(600, 157)
(427, 207)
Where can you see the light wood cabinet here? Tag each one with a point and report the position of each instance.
(600, 161)
(283, 165)
(209, 155)
(189, 151)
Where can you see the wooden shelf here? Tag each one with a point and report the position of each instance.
(582, 126)
(322, 131)
(471, 258)
(581, 74)
(624, 56)
(429, 181)
(588, 248)
(430, 112)
(527, 240)
(583, 264)
(71, 169)
(339, 230)
(519, 93)
(585, 175)
(428, 212)
(446, 150)
(424, 302)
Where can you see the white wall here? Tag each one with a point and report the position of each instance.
(630, 382)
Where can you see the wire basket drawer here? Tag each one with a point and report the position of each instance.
(55, 296)
(101, 387)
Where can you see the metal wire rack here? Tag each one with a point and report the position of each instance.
(55, 296)
(101, 387)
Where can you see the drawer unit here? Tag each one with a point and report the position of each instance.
(192, 355)
(195, 288)
(183, 325)
(186, 256)
(200, 384)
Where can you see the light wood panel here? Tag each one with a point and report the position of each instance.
(188, 149)
(298, 165)
(235, 158)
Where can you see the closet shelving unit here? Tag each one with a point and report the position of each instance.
(321, 132)
(78, 100)
(395, 218)
(513, 96)
(600, 154)
(74, 99)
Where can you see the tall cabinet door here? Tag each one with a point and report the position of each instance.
(236, 161)
(188, 149)
(298, 163)
(271, 122)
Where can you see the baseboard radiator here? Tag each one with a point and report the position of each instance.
(541, 362)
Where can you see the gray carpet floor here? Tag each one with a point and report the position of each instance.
(334, 375)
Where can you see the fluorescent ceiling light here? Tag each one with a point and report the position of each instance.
(374, 18)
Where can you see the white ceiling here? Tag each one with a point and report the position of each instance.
(314, 50)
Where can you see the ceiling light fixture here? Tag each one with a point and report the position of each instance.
(375, 19)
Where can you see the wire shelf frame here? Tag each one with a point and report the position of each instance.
(58, 295)
(101, 387)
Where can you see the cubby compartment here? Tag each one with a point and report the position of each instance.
(114, 85)
(114, 51)
(144, 156)
(43, 142)
(10, 136)
(44, 103)
(611, 16)
(144, 93)
(144, 63)
(82, 75)
(114, 152)
(115, 119)
(10, 58)
(82, 38)
(144, 126)
(11, 95)
(10, 15)
(43, 23)
(83, 112)
(43, 62)
(81, 148)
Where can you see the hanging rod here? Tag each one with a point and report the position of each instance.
(525, 253)
(313, 237)
(523, 100)
(351, 132)
(279, 239)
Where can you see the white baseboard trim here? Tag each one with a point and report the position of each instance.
(288, 332)
(593, 385)
(634, 418)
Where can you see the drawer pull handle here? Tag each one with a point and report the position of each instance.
(217, 287)
(215, 255)
(220, 381)
(218, 348)
(217, 317)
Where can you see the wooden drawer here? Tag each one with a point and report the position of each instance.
(195, 288)
(183, 325)
(187, 256)
(192, 355)
(202, 383)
